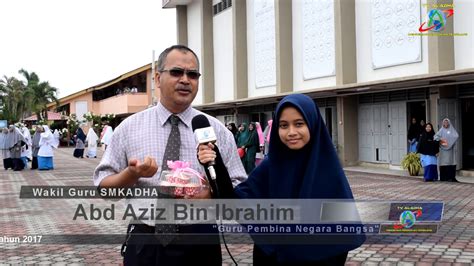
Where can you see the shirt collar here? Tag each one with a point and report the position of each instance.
(163, 114)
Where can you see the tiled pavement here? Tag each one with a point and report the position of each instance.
(452, 245)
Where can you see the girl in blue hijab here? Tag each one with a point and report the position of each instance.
(301, 163)
(80, 143)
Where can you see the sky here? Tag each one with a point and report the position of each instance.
(76, 44)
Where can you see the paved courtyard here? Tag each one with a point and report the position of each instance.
(452, 245)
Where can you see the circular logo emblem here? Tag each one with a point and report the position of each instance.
(407, 219)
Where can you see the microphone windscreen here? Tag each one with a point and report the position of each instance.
(203, 131)
(200, 121)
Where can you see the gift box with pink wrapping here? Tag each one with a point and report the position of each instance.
(180, 180)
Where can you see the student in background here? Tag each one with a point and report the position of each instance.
(428, 147)
(91, 140)
(47, 145)
(242, 137)
(56, 136)
(232, 128)
(266, 135)
(35, 146)
(5, 146)
(17, 143)
(261, 142)
(106, 136)
(27, 152)
(251, 147)
(413, 135)
(422, 124)
(80, 143)
(447, 137)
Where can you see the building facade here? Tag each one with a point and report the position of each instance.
(370, 66)
(124, 95)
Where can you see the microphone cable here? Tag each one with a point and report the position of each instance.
(222, 233)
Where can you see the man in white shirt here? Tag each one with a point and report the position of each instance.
(139, 143)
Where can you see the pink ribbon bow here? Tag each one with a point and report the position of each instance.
(179, 167)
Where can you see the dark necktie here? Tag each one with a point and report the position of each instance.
(166, 231)
(173, 144)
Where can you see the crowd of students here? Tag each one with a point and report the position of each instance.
(252, 142)
(90, 141)
(436, 149)
(18, 147)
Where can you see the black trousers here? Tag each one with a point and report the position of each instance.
(261, 258)
(34, 163)
(447, 173)
(18, 164)
(7, 163)
(78, 153)
(143, 248)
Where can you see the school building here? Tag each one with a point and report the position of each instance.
(124, 95)
(365, 63)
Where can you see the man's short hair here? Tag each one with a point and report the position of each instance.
(164, 55)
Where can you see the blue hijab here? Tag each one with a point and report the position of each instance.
(313, 172)
(81, 135)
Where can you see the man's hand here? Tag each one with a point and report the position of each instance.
(130, 175)
(148, 168)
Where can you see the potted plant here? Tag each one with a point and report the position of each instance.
(412, 163)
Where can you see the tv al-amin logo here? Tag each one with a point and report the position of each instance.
(436, 20)
(408, 219)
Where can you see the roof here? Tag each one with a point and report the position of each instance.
(103, 84)
(51, 116)
(174, 3)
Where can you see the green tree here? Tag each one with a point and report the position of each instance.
(40, 94)
(97, 121)
(14, 96)
(72, 124)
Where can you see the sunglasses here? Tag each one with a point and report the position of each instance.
(179, 72)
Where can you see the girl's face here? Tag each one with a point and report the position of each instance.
(428, 128)
(292, 129)
(250, 127)
(445, 123)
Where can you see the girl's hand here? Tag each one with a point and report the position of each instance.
(206, 153)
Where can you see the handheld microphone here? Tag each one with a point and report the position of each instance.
(204, 134)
